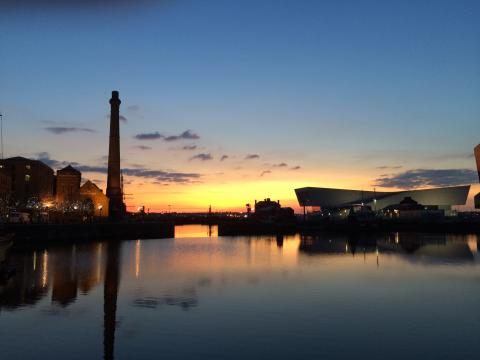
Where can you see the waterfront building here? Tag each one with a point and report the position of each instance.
(29, 178)
(91, 192)
(268, 209)
(68, 185)
(326, 198)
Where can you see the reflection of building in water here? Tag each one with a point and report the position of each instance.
(64, 276)
(337, 244)
(66, 269)
(74, 267)
(110, 294)
(412, 246)
(28, 285)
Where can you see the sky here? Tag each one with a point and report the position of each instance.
(225, 102)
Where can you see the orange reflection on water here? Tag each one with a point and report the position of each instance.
(137, 258)
(196, 231)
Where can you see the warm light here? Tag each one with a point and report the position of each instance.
(45, 269)
(137, 258)
(100, 207)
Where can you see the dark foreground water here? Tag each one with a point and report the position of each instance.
(389, 296)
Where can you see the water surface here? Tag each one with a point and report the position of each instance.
(386, 296)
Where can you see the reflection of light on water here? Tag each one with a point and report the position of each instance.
(137, 258)
(34, 260)
(45, 267)
(472, 243)
(397, 238)
(195, 231)
(99, 261)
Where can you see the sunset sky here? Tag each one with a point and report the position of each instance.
(224, 101)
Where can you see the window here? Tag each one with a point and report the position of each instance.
(27, 167)
(27, 178)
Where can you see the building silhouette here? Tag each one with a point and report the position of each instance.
(91, 192)
(68, 185)
(29, 178)
(114, 185)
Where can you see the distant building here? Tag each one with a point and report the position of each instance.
(29, 178)
(68, 185)
(268, 209)
(91, 192)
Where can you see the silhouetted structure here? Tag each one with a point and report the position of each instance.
(272, 210)
(5, 183)
(68, 185)
(477, 159)
(29, 178)
(91, 192)
(114, 186)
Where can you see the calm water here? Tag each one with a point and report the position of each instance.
(391, 296)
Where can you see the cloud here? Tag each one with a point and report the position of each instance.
(252, 156)
(149, 136)
(224, 157)
(141, 172)
(296, 168)
(280, 165)
(69, 4)
(123, 118)
(202, 157)
(186, 135)
(143, 147)
(265, 172)
(133, 108)
(189, 147)
(59, 130)
(389, 167)
(424, 177)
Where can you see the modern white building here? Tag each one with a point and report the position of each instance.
(444, 197)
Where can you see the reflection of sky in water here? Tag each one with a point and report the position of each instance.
(385, 296)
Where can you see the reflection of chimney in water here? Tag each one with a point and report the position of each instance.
(110, 294)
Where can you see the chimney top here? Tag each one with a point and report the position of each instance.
(114, 94)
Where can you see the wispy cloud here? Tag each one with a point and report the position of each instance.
(123, 118)
(280, 165)
(202, 157)
(143, 147)
(252, 156)
(389, 167)
(265, 173)
(224, 157)
(60, 130)
(186, 135)
(295, 168)
(149, 136)
(426, 177)
(133, 108)
(189, 147)
(136, 171)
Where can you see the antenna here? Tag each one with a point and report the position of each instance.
(1, 135)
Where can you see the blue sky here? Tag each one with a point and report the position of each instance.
(343, 89)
